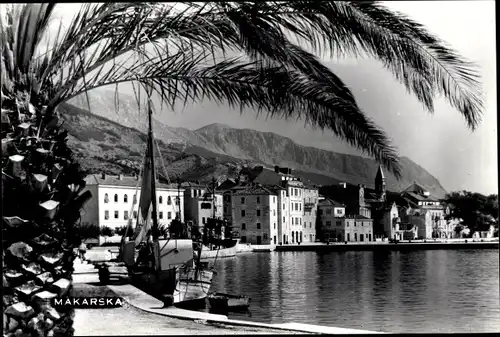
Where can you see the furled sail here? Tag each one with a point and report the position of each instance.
(144, 222)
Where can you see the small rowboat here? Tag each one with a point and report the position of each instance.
(227, 302)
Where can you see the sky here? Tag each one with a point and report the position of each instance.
(441, 143)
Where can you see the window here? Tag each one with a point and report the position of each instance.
(160, 200)
(125, 198)
(348, 236)
(275, 225)
(177, 200)
(169, 215)
(300, 207)
(339, 223)
(134, 199)
(258, 212)
(169, 200)
(117, 214)
(203, 220)
(328, 211)
(283, 206)
(106, 198)
(258, 225)
(243, 213)
(328, 223)
(125, 215)
(116, 197)
(106, 215)
(355, 236)
(177, 215)
(354, 223)
(258, 200)
(225, 209)
(300, 221)
(160, 215)
(274, 200)
(284, 220)
(274, 212)
(338, 211)
(265, 236)
(243, 226)
(135, 214)
(242, 200)
(206, 205)
(195, 194)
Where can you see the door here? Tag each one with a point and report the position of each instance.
(355, 237)
(284, 238)
(259, 240)
(361, 237)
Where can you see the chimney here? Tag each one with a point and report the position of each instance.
(103, 175)
(276, 169)
(120, 177)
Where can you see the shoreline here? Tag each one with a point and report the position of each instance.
(383, 246)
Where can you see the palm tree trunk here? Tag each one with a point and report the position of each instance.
(41, 183)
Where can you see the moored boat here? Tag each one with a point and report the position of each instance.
(228, 302)
(163, 268)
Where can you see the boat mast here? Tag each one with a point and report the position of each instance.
(213, 196)
(179, 196)
(154, 214)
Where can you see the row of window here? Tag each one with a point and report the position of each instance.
(126, 215)
(339, 223)
(244, 226)
(258, 200)
(243, 213)
(243, 238)
(125, 199)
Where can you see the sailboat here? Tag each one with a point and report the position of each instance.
(160, 267)
(217, 238)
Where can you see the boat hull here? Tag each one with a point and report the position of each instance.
(188, 289)
(207, 254)
(224, 302)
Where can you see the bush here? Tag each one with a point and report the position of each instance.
(106, 231)
(88, 231)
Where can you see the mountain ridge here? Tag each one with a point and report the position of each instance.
(221, 141)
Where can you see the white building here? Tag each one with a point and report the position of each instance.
(116, 198)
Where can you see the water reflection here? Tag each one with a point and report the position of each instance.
(421, 291)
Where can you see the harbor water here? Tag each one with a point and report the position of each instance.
(416, 291)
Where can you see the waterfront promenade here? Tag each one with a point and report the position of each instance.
(144, 314)
(385, 246)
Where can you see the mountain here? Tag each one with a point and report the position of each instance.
(218, 149)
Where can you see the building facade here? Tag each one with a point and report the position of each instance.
(200, 204)
(297, 209)
(334, 224)
(115, 199)
(254, 215)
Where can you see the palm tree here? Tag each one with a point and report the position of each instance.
(260, 55)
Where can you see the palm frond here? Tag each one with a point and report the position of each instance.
(176, 51)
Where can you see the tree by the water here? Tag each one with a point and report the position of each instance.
(185, 53)
(478, 211)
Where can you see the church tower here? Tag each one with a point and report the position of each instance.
(380, 187)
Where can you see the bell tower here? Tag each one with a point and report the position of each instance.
(380, 187)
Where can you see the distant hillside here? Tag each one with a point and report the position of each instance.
(218, 149)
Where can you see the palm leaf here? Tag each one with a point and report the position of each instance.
(182, 52)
